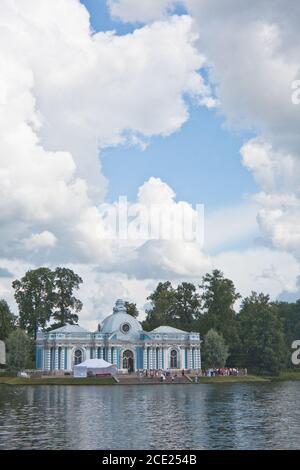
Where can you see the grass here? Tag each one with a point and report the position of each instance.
(284, 376)
(57, 381)
(224, 379)
(288, 375)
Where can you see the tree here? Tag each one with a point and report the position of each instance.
(35, 299)
(289, 314)
(218, 298)
(131, 309)
(19, 348)
(214, 351)
(187, 306)
(261, 332)
(66, 305)
(162, 306)
(7, 320)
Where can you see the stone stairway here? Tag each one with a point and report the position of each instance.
(132, 379)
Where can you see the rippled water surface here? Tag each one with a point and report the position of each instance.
(239, 416)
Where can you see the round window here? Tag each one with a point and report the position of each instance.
(125, 327)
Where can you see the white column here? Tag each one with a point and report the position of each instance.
(160, 358)
(199, 358)
(56, 358)
(167, 362)
(114, 359)
(190, 359)
(47, 358)
(145, 359)
(182, 358)
(109, 354)
(154, 358)
(62, 359)
(151, 358)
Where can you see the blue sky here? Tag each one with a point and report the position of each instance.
(201, 161)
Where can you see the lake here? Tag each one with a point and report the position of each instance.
(228, 416)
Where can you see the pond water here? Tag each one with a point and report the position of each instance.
(229, 416)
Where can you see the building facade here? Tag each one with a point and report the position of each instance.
(2, 353)
(121, 341)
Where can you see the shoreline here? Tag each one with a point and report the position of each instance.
(231, 379)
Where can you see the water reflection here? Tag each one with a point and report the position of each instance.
(240, 416)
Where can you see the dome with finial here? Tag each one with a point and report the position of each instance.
(120, 321)
(119, 307)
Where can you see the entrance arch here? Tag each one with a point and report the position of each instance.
(173, 359)
(128, 360)
(78, 357)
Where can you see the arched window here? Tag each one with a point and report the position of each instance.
(77, 357)
(52, 358)
(128, 360)
(173, 359)
(112, 355)
(157, 358)
(99, 353)
(59, 358)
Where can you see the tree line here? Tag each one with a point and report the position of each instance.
(257, 335)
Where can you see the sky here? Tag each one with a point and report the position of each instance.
(165, 103)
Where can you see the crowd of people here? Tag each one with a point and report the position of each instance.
(224, 371)
(171, 375)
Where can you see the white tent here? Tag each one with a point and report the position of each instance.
(94, 367)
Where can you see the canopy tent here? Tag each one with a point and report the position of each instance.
(94, 367)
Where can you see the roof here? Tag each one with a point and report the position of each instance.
(119, 317)
(167, 329)
(114, 322)
(70, 329)
(95, 364)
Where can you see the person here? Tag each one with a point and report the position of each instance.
(182, 372)
(172, 378)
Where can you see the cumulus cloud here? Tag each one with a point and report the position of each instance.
(44, 239)
(66, 93)
(279, 201)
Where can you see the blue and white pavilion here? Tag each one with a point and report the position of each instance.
(121, 341)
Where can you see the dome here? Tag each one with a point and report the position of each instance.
(120, 320)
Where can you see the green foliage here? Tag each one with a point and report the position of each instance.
(214, 350)
(131, 309)
(175, 307)
(7, 320)
(162, 309)
(218, 297)
(289, 314)
(66, 305)
(19, 350)
(35, 298)
(187, 306)
(262, 342)
(43, 295)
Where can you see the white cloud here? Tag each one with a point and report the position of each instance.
(67, 93)
(44, 239)
(260, 269)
